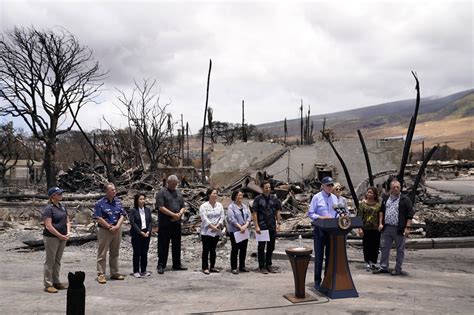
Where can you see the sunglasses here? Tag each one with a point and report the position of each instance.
(338, 189)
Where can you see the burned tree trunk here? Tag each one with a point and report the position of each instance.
(367, 160)
(421, 171)
(410, 132)
(49, 159)
(346, 172)
(203, 176)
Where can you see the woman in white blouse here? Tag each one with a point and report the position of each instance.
(212, 220)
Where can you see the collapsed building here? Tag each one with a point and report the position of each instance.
(303, 163)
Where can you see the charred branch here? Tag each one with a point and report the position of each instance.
(346, 171)
(367, 160)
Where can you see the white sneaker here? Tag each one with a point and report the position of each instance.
(137, 275)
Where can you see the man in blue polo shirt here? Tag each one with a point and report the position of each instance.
(109, 214)
(321, 208)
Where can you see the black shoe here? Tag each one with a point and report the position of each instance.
(317, 286)
(271, 269)
(180, 268)
(160, 270)
(380, 270)
(263, 271)
(396, 273)
(244, 270)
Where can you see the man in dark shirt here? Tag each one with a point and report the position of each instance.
(266, 215)
(170, 206)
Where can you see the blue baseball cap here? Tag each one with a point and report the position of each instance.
(327, 181)
(54, 190)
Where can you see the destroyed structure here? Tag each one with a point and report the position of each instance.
(244, 166)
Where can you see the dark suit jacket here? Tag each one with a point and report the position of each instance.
(405, 212)
(136, 222)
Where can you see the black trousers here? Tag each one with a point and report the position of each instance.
(239, 249)
(167, 233)
(140, 247)
(321, 252)
(265, 258)
(209, 244)
(371, 243)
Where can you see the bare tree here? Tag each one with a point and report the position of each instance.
(10, 148)
(43, 74)
(126, 148)
(151, 121)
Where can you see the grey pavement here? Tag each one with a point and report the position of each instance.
(437, 281)
(462, 185)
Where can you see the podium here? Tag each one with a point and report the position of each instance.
(337, 281)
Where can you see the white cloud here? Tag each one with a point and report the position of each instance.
(335, 55)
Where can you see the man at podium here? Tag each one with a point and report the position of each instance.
(320, 208)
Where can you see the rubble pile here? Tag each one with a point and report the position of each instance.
(439, 213)
(83, 177)
(447, 220)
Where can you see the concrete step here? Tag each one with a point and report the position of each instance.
(418, 243)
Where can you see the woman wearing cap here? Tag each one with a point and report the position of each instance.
(212, 220)
(140, 220)
(238, 219)
(55, 234)
(368, 211)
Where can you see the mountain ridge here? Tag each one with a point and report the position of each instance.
(377, 120)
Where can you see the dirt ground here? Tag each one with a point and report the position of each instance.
(437, 281)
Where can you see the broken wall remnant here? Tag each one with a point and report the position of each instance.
(294, 164)
(229, 163)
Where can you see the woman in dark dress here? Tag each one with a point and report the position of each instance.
(140, 221)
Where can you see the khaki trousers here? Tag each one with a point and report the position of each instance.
(108, 242)
(54, 249)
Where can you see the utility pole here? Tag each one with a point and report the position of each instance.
(182, 141)
(422, 150)
(187, 142)
(288, 168)
(244, 132)
(302, 165)
(301, 122)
